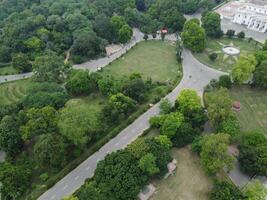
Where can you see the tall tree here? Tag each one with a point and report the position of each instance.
(193, 36)
(214, 153)
(50, 151)
(260, 75)
(10, 138)
(21, 63)
(243, 69)
(15, 180)
(219, 106)
(211, 22)
(49, 68)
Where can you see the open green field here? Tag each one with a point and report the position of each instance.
(253, 113)
(11, 92)
(223, 61)
(188, 182)
(8, 70)
(155, 59)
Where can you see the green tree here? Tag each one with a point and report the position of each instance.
(219, 106)
(225, 81)
(116, 170)
(135, 87)
(118, 107)
(39, 121)
(138, 148)
(193, 36)
(50, 151)
(230, 33)
(214, 154)
(125, 33)
(230, 126)
(164, 141)
(260, 75)
(87, 45)
(188, 101)
(90, 191)
(243, 69)
(255, 190)
(148, 164)
(165, 106)
(21, 63)
(78, 124)
(171, 124)
(253, 159)
(15, 180)
(80, 83)
(224, 190)
(185, 135)
(264, 47)
(50, 68)
(10, 138)
(71, 198)
(211, 22)
(241, 35)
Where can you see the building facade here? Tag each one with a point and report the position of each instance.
(251, 13)
(253, 16)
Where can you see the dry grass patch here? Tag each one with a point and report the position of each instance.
(189, 181)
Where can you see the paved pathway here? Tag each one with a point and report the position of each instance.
(15, 77)
(196, 76)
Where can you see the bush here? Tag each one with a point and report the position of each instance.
(241, 35)
(44, 177)
(145, 37)
(224, 190)
(225, 81)
(213, 56)
(230, 33)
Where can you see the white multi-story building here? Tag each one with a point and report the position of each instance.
(251, 13)
(253, 16)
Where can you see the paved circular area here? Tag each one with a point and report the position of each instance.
(230, 50)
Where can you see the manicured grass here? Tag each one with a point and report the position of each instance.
(188, 182)
(8, 70)
(152, 59)
(253, 113)
(12, 91)
(224, 62)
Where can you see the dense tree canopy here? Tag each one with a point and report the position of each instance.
(15, 180)
(224, 190)
(78, 125)
(118, 176)
(214, 153)
(39, 121)
(10, 138)
(193, 36)
(219, 106)
(243, 69)
(81, 83)
(211, 22)
(253, 154)
(50, 151)
(260, 75)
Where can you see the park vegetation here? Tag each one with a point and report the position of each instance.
(44, 131)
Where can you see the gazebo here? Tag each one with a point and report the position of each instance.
(236, 105)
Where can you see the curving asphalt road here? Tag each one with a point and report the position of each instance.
(196, 76)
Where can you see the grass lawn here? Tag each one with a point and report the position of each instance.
(188, 182)
(12, 91)
(8, 70)
(224, 62)
(253, 113)
(155, 59)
